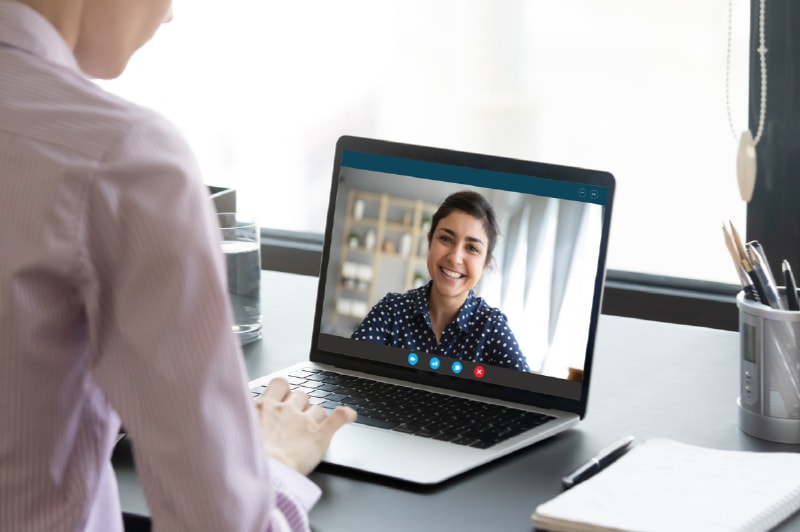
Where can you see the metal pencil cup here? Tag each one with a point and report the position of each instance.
(769, 400)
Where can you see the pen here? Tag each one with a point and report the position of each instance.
(598, 462)
(768, 289)
(747, 285)
(791, 286)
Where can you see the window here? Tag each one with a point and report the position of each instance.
(262, 90)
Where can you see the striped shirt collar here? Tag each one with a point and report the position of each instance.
(23, 28)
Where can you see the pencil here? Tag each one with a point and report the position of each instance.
(737, 260)
(740, 248)
(744, 269)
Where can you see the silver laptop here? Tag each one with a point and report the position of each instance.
(432, 409)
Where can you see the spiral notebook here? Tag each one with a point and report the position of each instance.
(667, 485)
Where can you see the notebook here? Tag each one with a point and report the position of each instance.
(663, 484)
(515, 367)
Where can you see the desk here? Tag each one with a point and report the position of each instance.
(649, 379)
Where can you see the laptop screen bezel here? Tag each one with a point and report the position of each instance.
(483, 162)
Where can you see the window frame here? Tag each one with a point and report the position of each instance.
(772, 217)
(630, 294)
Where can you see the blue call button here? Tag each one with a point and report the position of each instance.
(435, 363)
(457, 367)
(413, 359)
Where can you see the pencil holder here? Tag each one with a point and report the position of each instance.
(769, 400)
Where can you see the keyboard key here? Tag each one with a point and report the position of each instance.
(352, 401)
(373, 422)
(335, 397)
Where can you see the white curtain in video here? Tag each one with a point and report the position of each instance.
(544, 278)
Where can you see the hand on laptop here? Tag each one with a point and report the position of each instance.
(294, 431)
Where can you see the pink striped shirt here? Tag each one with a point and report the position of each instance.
(113, 306)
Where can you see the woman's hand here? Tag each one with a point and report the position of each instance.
(294, 431)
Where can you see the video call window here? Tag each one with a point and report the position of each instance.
(542, 277)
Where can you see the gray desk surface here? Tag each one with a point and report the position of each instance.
(649, 379)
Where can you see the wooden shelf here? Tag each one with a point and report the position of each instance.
(390, 236)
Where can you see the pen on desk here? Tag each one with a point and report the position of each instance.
(768, 289)
(598, 462)
(791, 286)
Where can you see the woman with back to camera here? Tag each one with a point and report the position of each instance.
(444, 317)
(113, 303)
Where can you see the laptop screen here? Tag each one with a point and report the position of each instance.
(471, 272)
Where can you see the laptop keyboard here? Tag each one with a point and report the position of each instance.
(414, 411)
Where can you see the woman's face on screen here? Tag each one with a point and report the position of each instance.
(457, 255)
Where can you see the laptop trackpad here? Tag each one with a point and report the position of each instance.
(397, 455)
(353, 444)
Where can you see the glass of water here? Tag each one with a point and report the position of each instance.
(242, 249)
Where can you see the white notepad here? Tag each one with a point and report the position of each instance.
(662, 484)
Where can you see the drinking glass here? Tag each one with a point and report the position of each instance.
(242, 249)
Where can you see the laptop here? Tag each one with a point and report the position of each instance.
(435, 410)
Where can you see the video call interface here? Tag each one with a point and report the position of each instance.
(543, 275)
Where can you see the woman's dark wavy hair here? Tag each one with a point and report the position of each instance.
(476, 206)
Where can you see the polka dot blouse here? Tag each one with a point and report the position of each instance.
(478, 333)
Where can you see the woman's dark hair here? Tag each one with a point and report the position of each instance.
(475, 205)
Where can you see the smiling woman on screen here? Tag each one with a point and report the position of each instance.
(444, 317)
